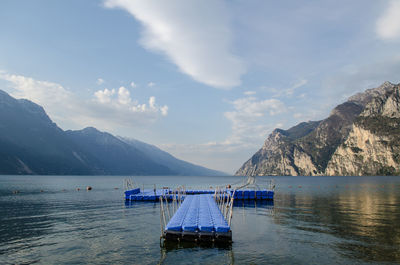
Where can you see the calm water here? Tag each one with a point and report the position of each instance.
(314, 220)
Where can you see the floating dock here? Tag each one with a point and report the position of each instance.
(154, 195)
(198, 219)
(149, 195)
(202, 215)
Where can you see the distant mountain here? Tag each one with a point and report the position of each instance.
(30, 143)
(360, 137)
(167, 160)
(111, 156)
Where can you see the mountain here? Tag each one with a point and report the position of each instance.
(166, 159)
(360, 137)
(111, 156)
(30, 143)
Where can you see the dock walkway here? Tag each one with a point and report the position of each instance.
(198, 219)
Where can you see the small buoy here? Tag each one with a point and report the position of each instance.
(88, 188)
(115, 188)
(78, 189)
(63, 190)
(41, 190)
(16, 191)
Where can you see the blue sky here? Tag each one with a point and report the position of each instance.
(204, 80)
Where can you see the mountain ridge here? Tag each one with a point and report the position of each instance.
(31, 143)
(169, 160)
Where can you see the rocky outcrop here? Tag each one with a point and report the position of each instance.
(373, 144)
(360, 137)
(364, 153)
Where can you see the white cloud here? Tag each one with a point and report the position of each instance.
(195, 35)
(123, 102)
(249, 123)
(250, 107)
(50, 95)
(151, 84)
(388, 25)
(104, 96)
(152, 102)
(100, 81)
(133, 84)
(107, 110)
(124, 96)
(249, 93)
(164, 110)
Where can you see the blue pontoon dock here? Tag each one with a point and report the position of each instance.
(198, 219)
(199, 215)
(154, 195)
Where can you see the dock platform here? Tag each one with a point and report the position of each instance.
(154, 195)
(148, 195)
(198, 219)
(200, 215)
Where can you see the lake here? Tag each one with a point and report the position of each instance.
(313, 220)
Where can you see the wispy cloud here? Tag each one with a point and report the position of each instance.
(298, 84)
(248, 118)
(195, 35)
(249, 93)
(285, 92)
(151, 84)
(388, 25)
(107, 109)
(100, 81)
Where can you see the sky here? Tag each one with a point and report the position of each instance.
(206, 80)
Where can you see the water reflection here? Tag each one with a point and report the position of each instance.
(169, 246)
(133, 204)
(254, 204)
(366, 219)
(171, 250)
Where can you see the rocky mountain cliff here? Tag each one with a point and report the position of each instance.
(30, 143)
(360, 137)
